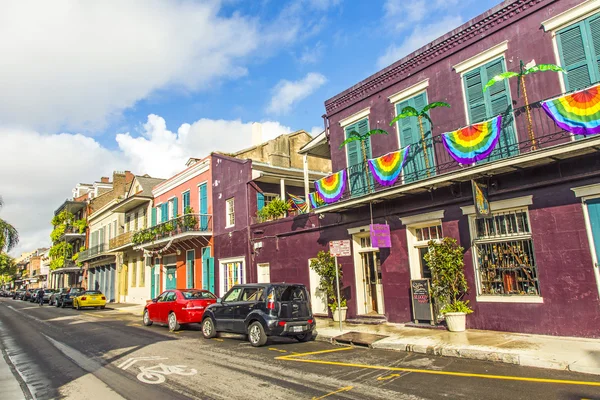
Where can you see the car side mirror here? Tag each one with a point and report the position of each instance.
(219, 300)
(155, 300)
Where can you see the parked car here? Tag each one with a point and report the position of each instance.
(89, 298)
(47, 294)
(27, 295)
(56, 295)
(18, 294)
(260, 311)
(66, 299)
(34, 296)
(178, 307)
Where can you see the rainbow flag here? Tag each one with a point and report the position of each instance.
(475, 142)
(315, 200)
(331, 188)
(297, 203)
(578, 112)
(386, 169)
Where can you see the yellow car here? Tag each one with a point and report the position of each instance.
(89, 298)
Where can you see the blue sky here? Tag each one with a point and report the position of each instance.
(142, 85)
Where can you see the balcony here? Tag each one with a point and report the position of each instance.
(180, 228)
(92, 252)
(429, 164)
(72, 233)
(121, 241)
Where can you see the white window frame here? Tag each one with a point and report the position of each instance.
(222, 263)
(413, 223)
(258, 269)
(271, 196)
(229, 211)
(518, 204)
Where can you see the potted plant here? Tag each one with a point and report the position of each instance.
(189, 220)
(324, 266)
(448, 282)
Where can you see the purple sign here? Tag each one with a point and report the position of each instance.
(380, 235)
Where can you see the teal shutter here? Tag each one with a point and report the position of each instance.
(575, 56)
(153, 216)
(203, 199)
(486, 105)
(211, 274)
(190, 256)
(410, 134)
(186, 202)
(94, 241)
(164, 212)
(175, 208)
(206, 268)
(260, 201)
(356, 168)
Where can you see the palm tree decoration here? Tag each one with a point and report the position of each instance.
(521, 75)
(355, 136)
(409, 111)
(9, 237)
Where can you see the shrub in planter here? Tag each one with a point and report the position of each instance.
(448, 282)
(276, 209)
(324, 266)
(189, 221)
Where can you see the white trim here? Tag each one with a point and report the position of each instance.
(409, 92)
(509, 299)
(184, 176)
(571, 16)
(481, 58)
(502, 204)
(359, 229)
(355, 117)
(588, 190)
(590, 236)
(203, 183)
(227, 225)
(221, 274)
(433, 216)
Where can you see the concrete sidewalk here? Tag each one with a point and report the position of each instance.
(563, 353)
(130, 308)
(9, 384)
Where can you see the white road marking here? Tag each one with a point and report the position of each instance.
(130, 361)
(156, 374)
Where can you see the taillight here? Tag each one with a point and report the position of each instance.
(271, 302)
(103, 298)
(83, 298)
(310, 321)
(281, 323)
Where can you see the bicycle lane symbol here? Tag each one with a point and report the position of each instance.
(157, 374)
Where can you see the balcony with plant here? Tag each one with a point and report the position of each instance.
(182, 225)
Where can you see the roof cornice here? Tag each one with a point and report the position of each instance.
(466, 35)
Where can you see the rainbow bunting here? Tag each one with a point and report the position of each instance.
(578, 112)
(386, 169)
(297, 203)
(315, 200)
(475, 142)
(331, 188)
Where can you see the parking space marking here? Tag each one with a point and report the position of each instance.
(387, 377)
(344, 389)
(279, 350)
(298, 358)
(217, 339)
(94, 315)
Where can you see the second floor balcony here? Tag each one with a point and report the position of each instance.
(179, 228)
(121, 241)
(430, 165)
(92, 252)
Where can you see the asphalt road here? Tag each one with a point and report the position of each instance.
(107, 354)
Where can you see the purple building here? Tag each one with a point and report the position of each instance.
(533, 266)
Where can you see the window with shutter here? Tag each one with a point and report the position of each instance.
(186, 201)
(410, 134)
(577, 49)
(494, 101)
(357, 175)
(260, 201)
(203, 206)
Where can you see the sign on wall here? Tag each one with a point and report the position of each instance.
(380, 235)
(339, 248)
(480, 199)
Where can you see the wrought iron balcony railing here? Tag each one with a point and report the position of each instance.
(92, 252)
(428, 158)
(120, 240)
(188, 223)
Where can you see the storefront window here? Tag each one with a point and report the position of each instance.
(428, 233)
(233, 273)
(504, 255)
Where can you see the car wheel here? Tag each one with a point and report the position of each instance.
(208, 328)
(146, 319)
(173, 324)
(256, 334)
(305, 337)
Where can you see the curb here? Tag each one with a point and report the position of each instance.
(506, 357)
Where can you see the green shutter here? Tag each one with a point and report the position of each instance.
(206, 268)
(190, 256)
(575, 56)
(153, 217)
(175, 210)
(260, 201)
(211, 274)
(186, 201)
(356, 167)
(203, 199)
(164, 212)
(594, 30)
(475, 96)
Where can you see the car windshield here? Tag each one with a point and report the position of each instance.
(291, 293)
(197, 295)
(93, 292)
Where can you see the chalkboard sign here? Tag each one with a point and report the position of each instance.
(421, 300)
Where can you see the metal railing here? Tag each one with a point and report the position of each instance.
(92, 252)
(201, 223)
(514, 140)
(120, 240)
(72, 230)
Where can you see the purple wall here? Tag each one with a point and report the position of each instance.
(526, 41)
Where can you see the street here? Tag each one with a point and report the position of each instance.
(107, 354)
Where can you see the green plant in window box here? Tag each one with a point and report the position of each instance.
(445, 259)
(276, 209)
(189, 220)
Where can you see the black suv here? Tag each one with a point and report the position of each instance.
(66, 298)
(261, 310)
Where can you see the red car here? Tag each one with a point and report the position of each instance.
(178, 307)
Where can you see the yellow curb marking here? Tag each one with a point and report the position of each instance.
(387, 377)
(218, 340)
(274, 349)
(94, 315)
(344, 389)
(426, 371)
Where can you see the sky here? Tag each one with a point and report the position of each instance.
(90, 87)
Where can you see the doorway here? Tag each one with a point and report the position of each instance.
(264, 273)
(592, 209)
(318, 298)
(367, 270)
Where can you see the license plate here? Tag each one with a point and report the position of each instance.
(297, 328)
(94, 298)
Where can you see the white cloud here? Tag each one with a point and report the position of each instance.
(312, 54)
(399, 14)
(76, 64)
(316, 130)
(37, 175)
(323, 4)
(420, 35)
(287, 93)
